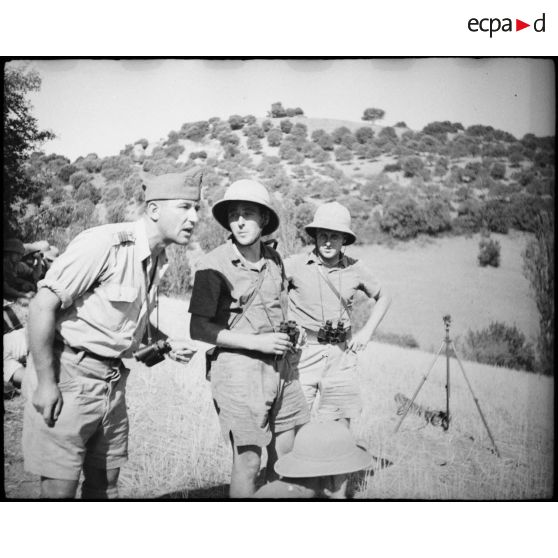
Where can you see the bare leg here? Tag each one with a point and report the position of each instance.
(58, 489)
(99, 484)
(281, 444)
(245, 469)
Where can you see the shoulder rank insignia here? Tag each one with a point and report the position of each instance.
(122, 237)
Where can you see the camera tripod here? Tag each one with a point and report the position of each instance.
(449, 347)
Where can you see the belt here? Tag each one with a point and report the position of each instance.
(110, 361)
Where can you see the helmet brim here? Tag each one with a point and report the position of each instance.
(220, 212)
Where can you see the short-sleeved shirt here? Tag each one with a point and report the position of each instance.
(101, 281)
(225, 280)
(312, 301)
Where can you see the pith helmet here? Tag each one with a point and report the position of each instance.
(248, 191)
(321, 449)
(334, 217)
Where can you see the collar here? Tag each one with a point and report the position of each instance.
(312, 257)
(237, 258)
(142, 243)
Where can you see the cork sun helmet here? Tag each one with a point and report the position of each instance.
(332, 216)
(247, 191)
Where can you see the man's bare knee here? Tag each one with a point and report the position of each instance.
(58, 489)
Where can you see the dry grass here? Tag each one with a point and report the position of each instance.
(176, 449)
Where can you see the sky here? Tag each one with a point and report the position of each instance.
(99, 106)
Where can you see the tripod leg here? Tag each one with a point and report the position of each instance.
(418, 388)
(475, 400)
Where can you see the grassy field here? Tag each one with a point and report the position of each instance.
(176, 450)
(428, 278)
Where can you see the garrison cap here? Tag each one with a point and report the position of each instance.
(173, 186)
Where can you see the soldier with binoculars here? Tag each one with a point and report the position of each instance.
(91, 310)
(240, 304)
(322, 285)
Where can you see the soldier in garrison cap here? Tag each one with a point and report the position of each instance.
(91, 310)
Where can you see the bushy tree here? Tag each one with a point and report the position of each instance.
(489, 252)
(286, 126)
(254, 144)
(274, 137)
(194, 131)
(538, 266)
(277, 110)
(236, 122)
(343, 153)
(267, 125)
(373, 114)
(499, 345)
(338, 133)
(402, 217)
(21, 136)
(250, 120)
(65, 172)
(498, 171)
(364, 134)
(79, 178)
(412, 166)
(495, 216)
(86, 191)
(437, 217)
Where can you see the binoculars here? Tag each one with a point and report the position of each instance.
(326, 334)
(153, 354)
(291, 329)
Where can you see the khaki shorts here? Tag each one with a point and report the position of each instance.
(331, 372)
(256, 396)
(92, 427)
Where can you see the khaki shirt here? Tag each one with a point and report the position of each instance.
(311, 300)
(100, 281)
(225, 280)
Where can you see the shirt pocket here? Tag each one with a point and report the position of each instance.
(120, 304)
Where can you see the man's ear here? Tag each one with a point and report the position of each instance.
(152, 209)
(265, 218)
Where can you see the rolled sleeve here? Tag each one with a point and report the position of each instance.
(78, 268)
(367, 282)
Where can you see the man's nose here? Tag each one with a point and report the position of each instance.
(193, 215)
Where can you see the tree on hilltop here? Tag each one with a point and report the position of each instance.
(373, 114)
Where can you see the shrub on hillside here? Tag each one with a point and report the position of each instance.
(194, 131)
(277, 110)
(116, 168)
(236, 122)
(364, 134)
(253, 131)
(498, 345)
(437, 217)
(338, 133)
(392, 167)
(400, 124)
(343, 153)
(65, 172)
(300, 130)
(267, 125)
(469, 217)
(388, 133)
(412, 166)
(286, 126)
(538, 266)
(495, 216)
(87, 191)
(489, 252)
(524, 211)
(321, 156)
(79, 178)
(254, 144)
(174, 151)
(274, 137)
(402, 217)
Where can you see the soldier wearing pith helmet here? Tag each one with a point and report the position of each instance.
(238, 302)
(91, 310)
(322, 284)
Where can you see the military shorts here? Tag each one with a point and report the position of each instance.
(255, 396)
(92, 428)
(330, 372)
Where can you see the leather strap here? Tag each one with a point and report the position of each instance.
(335, 291)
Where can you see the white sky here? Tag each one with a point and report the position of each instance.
(101, 105)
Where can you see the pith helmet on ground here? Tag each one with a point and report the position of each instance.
(321, 449)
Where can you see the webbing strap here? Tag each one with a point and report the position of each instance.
(335, 291)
